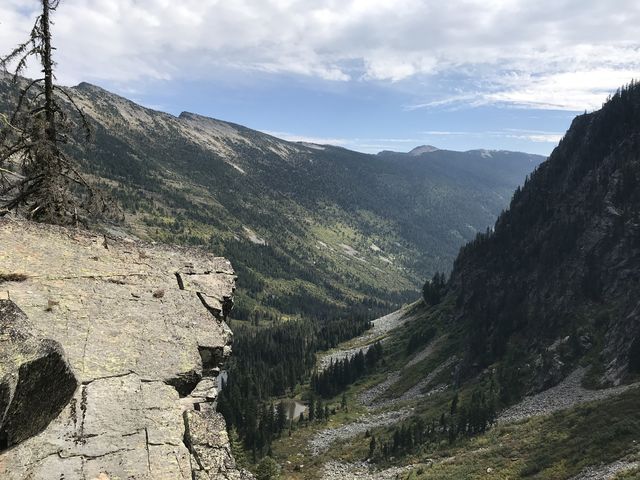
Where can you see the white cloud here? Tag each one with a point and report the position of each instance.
(536, 136)
(367, 145)
(566, 54)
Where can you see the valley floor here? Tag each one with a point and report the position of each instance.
(520, 445)
(381, 327)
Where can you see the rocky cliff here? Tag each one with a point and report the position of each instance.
(110, 349)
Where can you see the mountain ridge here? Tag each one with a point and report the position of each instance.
(418, 150)
(200, 181)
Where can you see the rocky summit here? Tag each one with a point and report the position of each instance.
(110, 348)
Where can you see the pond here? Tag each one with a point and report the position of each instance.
(293, 408)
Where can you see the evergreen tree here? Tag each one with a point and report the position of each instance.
(281, 417)
(32, 137)
(312, 409)
(267, 469)
(372, 446)
(634, 356)
(237, 449)
(454, 404)
(433, 289)
(342, 373)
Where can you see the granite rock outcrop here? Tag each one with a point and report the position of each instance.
(144, 332)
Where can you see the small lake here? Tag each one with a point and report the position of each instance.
(293, 408)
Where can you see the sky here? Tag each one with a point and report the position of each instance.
(368, 75)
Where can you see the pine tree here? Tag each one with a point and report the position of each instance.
(319, 410)
(312, 409)
(36, 175)
(267, 469)
(372, 446)
(281, 417)
(237, 449)
(454, 404)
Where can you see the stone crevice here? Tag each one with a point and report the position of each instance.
(180, 282)
(86, 456)
(216, 312)
(146, 440)
(117, 375)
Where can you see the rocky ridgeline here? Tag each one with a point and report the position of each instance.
(108, 355)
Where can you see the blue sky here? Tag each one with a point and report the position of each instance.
(364, 74)
(361, 116)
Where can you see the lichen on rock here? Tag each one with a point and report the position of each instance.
(145, 362)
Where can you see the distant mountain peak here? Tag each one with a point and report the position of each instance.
(86, 85)
(191, 115)
(423, 149)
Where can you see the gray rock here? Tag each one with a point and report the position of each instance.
(143, 358)
(36, 382)
(208, 442)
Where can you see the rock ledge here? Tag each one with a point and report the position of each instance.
(143, 328)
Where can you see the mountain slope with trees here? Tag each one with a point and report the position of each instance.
(564, 260)
(312, 230)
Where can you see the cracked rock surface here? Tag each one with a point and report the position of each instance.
(139, 341)
(209, 445)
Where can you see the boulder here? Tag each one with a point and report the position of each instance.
(36, 381)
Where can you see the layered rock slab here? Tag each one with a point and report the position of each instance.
(136, 337)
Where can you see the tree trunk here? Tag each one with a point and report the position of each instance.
(47, 64)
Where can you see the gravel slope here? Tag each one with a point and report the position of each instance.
(381, 327)
(606, 472)
(324, 438)
(566, 394)
(360, 471)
